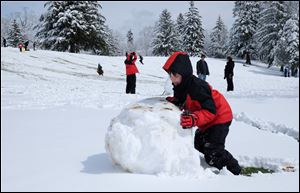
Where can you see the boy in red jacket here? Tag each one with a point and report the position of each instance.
(207, 109)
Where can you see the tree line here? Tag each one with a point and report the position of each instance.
(267, 30)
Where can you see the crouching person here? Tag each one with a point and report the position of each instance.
(207, 109)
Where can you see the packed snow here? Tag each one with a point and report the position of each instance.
(146, 138)
(60, 121)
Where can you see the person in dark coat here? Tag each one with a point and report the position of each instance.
(131, 70)
(202, 68)
(34, 44)
(205, 108)
(248, 61)
(4, 42)
(26, 45)
(141, 59)
(229, 73)
(100, 70)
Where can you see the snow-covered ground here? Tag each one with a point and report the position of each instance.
(56, 111)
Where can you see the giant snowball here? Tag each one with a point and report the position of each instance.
(146, 137)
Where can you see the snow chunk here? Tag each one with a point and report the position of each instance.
(146, 137)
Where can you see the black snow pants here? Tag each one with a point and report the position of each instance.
(212, 144)
(229, 84)
(130, 86)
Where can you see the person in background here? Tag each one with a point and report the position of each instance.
(26, 45)
(131, 70)
(141, 59)
(20, 46)
(4, 42)
(34, 44)
(202, 68)
(228, 73)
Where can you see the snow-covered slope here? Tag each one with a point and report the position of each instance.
(56, 111)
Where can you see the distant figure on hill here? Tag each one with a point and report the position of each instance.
(34, 44)
(99, 70)
(131, 70)
(26, 45)
(141, 59)
(248, 61)
(4, 42)
(228, 73)
(20, 46)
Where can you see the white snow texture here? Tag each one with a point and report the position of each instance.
(146, 137)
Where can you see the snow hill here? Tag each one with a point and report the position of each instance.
(56, 112)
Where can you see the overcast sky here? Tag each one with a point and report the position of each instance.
(125, 15)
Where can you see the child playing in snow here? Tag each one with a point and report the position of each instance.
(131, 70)
(207, 109)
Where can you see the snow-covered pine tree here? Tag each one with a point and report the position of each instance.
(166, 40)
(14, 34)
(244, 27)
(46, 29)
(27, 20)
(112, 43)
(180, 24)
(290, 39)
(72, 26)
(97, 32)
(207, 43)
(193, 37)
(5, 25)
(218, 39)
(271, 21)
(130, 46)
(233, 45)
(146, 35)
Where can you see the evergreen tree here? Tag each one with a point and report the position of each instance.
(180, 25)
(218, 39)
(193, 37)
(166, 40)
(14, 34)
(146, 36)
(112, 43)
(271, 21)
(244, 27)
(71, 26)
(290, 40)
(46, 29)
(130, 45)
(97, 33)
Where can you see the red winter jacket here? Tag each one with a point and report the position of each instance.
(130, 64)
(213, 110)
(197, 95)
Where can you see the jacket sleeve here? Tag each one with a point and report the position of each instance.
(134, 58)
(207, 113)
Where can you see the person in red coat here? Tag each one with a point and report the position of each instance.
(20, 46)
(131, 70)
(205, 108)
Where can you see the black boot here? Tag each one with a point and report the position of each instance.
(234, 167)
